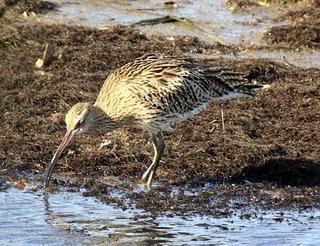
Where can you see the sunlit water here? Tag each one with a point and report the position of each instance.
(68, 218)
(212, 17)
(211, 21)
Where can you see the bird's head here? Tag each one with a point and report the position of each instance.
(82, 117)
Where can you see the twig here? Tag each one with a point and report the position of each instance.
(222, 120)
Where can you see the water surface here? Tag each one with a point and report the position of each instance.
(69, 218)
(211, 21)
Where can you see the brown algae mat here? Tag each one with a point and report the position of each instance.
(266, 155)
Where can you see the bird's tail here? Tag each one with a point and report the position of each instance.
(249, 89)
(240, 82)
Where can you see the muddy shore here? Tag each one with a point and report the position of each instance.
(267, 155)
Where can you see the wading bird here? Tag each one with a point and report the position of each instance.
(152, 93)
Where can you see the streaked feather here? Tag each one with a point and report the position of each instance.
(159, 90)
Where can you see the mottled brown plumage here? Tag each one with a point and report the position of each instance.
(152, 93)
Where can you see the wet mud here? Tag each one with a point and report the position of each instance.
(266, 155)
(303, 30)
(299, 18)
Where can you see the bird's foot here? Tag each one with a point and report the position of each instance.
(142, 187)
(145, 181)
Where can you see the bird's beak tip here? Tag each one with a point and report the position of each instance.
(64, 143)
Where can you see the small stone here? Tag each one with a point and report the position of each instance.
(39, 63)
(170, 4)
(21, 184)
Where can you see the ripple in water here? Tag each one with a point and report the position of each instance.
(68, 218)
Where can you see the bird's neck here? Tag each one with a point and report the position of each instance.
(111, 121)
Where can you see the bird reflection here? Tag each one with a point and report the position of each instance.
(102, 223)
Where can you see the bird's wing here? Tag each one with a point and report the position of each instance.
(170, 84)
(178, 86)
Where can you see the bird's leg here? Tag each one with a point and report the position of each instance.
(158, 146)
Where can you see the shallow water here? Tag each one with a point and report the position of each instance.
(68, 218)
(208, 18)
(211, 21)
(302, 58)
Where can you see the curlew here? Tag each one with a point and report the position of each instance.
(152, 93)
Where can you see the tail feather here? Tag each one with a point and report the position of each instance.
(249, 89)
(240, 82)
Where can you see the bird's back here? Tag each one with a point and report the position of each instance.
(159, 90)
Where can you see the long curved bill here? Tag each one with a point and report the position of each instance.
(64, 143)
